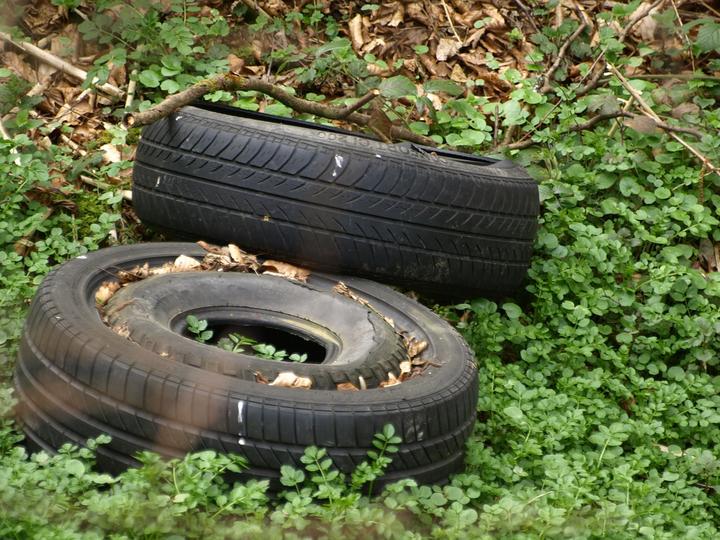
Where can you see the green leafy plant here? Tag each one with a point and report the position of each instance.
(198, 327)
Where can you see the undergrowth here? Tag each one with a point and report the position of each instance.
(599, 402)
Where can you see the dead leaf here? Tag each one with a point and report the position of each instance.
(405, 367)
(415, 347)
(287, 379)
(380, 124)
(135, 274)
(235, 63)
(105, 292)
(447, 48)
(709, 255)
(212, 248)
(344, 290)
(458, 75)
(348, 386)
(355, 29)
(288, 271)
(392, 381)
(240, 256)
(646, 27)
(398, 17)
(110, 153)
(260, 378)
(642, 124)
(122, 331)
(684, 108)
(186, 264)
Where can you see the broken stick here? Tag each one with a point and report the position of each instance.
(59, 64)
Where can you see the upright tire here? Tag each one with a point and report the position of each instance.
(336, 201)
(150, 387)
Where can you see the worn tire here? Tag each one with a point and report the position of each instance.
(157, 390)
(336, 201)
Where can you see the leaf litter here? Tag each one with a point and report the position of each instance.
(231, 258)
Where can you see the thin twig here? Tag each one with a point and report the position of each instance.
(59, 64)
(648, 110)
(449, 19)
(547, 77)
(231, 82)
(598, 67)
(683, 35)
(593, 73)
(595, 120)
(615, 125)
(678, 76)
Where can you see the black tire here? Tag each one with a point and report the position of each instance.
(430, 219)
(157, 390)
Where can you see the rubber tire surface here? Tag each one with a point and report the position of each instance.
(77, 378)
(331, 200)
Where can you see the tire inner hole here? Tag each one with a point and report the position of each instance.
(263, 341)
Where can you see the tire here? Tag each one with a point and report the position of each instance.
(156, 389)
(434, 220)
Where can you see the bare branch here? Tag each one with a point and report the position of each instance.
(652, 114)
(598, 66)
(547, 77)
(231, 82)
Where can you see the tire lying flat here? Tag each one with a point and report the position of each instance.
(331, 200)
(158, 390)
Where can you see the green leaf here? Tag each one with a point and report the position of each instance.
(396, 87)
(514, 412)
(149, 79)
(708, 37)
(513, 311)
(75, 467)
(443, 85)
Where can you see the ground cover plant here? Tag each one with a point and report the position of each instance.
(599, 411)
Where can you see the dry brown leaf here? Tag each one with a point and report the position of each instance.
(415, 347)
(348, 386)
(709, 255)
(186, 264)
(435, 100)
(260, 378)
(447, 48)
(687, 107)
(398, 17)
(286, 270)
(110, 153)
(235, 63)
(287, 379)
(498, 21)
(344, 290)
(645, 28)
(212, 248)
(240, 256)
(392, 381)
(642, 124)
(121, 330)
(105, 292)
(135, 274)
(458, 75)
(405, 367)
(355, 30)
